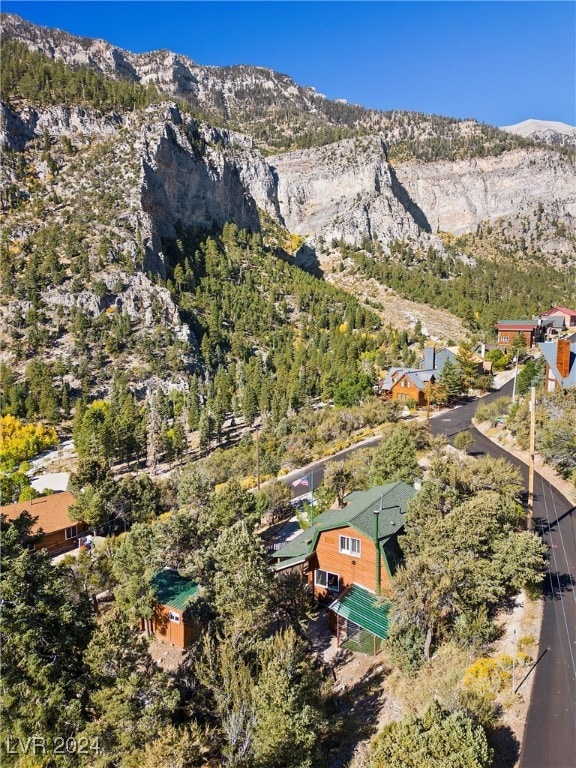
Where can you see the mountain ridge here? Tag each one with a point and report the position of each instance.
(109, 180)
(545, 131)
(271, 107)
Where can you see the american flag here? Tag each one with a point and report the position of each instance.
(301, 481)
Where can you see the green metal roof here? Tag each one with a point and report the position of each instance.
(392, 499)
(365, 609)
(173, 590)
(289, 562)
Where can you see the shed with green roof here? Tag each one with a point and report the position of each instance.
(172, 620)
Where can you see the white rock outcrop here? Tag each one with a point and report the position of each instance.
(456, 196)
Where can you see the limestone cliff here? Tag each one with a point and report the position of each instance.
(456, 197)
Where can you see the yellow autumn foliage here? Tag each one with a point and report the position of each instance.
(19, 441)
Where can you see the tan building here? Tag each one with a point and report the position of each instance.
(60, 533)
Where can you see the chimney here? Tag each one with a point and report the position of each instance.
(483, 350)
(563, 357)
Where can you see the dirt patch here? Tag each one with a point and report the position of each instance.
(362, 701)
(437, 324)
(168, 657)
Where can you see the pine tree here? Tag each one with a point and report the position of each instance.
(396, 458)
(46, 627)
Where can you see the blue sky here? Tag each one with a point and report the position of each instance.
(499, 62)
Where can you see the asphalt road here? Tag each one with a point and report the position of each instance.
(550, 735)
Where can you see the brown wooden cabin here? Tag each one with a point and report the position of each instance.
(407, 385)
(172, 621)
(411, 387)
(59, 532)
(533, 331)
(349, 555)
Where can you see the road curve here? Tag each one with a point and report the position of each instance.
(550, 734)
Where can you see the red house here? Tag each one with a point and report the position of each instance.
(566, 318)
(60, 533)
(349, 556)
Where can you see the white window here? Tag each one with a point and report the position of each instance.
(327, 580)
(349, 546)
(404, 383)
(175, 617)
(503, 338)
(72, 532)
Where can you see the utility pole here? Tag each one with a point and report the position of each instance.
(258, 459)
(515, 374)
(532, 452)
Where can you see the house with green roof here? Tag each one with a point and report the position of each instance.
(349, 556)
(172, 620)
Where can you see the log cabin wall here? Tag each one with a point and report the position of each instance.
(352, 569)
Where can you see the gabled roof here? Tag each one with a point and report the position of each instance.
(420, 378)
(563, 310)
(358, 514)
(417, 377)
(393, 376)
(549, 351)
(365, 609)
(51, 511)
(173, 590)
(521, 324)
(435, 358)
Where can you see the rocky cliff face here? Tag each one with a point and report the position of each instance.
(177, 170)
(268, 105)
(197, 176)
(347, 191)
(456, 197)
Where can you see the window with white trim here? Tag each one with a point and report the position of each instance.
(349, 546)
(174, 617)
(71, 532)
(327, 580)
(504, 338)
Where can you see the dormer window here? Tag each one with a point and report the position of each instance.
(349, 545)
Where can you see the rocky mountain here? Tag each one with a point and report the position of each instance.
(100, 178)
(545, 131)
(277, 112)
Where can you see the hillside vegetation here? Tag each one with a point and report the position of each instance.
(266, 105)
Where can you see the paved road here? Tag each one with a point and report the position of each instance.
(550, 736)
